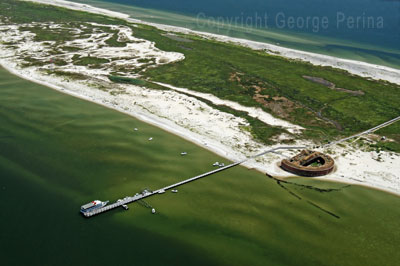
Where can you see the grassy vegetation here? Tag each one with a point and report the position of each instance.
(209, 67)
(26, 12)
(30, 61)
(89, 60)
(113, 41)
(259, 130)
(71, 75)
(137, 82)
(57, 35)
(387, 146)
(145, 60)
(59, 62)
(46, 34)
(70, 49)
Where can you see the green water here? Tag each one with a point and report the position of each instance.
(58, 152)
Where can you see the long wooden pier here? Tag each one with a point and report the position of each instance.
(369, 131)
(146, 194)
(117, 204)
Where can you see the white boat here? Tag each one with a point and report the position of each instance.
(125, 207)
(153, 211)
(174, 191)
(218, 164)
(150, 139)
(183, 153)
(91, 206)
(135, 129)
(161, 191)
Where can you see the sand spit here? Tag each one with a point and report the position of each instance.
(190, 118)
(81, 7)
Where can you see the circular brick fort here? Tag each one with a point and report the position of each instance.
(309, 163)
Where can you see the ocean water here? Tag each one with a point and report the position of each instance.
(356, 29)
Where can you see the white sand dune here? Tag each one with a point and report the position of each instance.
(253, 112)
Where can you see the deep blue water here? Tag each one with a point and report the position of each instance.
(374, 22)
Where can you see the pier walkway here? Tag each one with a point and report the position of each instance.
(369, 131)
(146, 194)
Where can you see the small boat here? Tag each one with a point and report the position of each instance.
(221, 165)
(150, 139)
(125, 207)
(161, 191)
(153, 211)
(135, 129)
(174, 191)
(91, 206)
(216, 164)
(183, 153)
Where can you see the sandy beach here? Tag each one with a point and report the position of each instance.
(212, 129)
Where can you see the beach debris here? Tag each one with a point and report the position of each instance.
(183, 153)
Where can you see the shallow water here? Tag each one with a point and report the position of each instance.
(58, 152)
(357, 29)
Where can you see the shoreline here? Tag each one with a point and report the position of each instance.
(217, 148)
(138, 116)
(218, 144)
(359, 68)
(310, 42)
